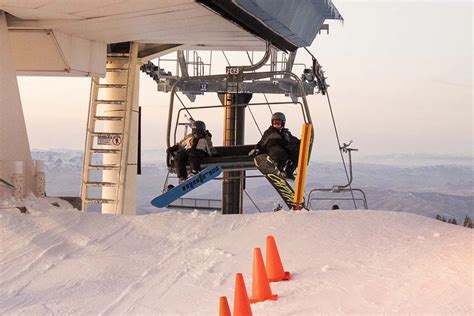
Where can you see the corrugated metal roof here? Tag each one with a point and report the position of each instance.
(298, 21)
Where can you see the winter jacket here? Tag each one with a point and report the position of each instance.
(190, 142)
(277, 137)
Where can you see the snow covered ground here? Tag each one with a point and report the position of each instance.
(59, 261)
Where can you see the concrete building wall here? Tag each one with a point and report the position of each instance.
(14, 145)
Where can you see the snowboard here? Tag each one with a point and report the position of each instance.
(211, 172)
(268, 168)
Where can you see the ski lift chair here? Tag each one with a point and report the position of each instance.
(230, 158)
(341, 188)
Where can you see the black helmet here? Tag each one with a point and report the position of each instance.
(279, 116)
(198, 127)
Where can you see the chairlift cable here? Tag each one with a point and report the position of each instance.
(184, 106)
(268, 103)
(166, 181)
(250, 110)
(309, 52)
(264, 95)
(248, 55)
(337, 136)
(225, 56)
(340, 151)
(256, 206)
(255, 121)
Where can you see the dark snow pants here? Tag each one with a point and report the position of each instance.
(194, 156)
(281, 155)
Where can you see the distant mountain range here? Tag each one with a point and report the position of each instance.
(417, 159)
(390, 183)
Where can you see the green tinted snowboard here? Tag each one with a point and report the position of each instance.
(269, 169)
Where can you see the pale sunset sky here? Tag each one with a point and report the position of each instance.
(400, 75)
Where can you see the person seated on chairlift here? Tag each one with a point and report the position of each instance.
(193, 148)
(280, 145)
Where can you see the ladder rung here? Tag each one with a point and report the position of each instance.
(119, 102)
(109, 69)
(109, 118)
(105, 151)
(112, 85)
(101, 184)
(118, 54)
(104, 167)
(112, 58)
(105, 134)
(99, 201)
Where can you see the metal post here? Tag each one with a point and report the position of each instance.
(234, 131)
(302, 165)
(139, 149)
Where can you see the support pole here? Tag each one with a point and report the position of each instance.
(234, 131)
(14, 145)
(40, 179)
(18, 180)
(302, 165)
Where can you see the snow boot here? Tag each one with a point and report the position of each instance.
(290, 167)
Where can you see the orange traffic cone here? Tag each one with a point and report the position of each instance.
(224, 309)
(275, 270)
(241, 299)
(261, 290)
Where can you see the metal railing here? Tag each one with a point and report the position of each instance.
(363, 197)
(196, 203)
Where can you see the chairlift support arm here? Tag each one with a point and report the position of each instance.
(245, 76)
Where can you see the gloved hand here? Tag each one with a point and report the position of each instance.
(172, 149)
(254, 152)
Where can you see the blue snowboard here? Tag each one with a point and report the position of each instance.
(211, 172)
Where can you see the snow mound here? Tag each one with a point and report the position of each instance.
(56, 260)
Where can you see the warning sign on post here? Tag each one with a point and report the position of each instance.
(104, 140)
(109, 140)
(116, 140)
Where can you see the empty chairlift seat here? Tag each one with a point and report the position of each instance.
(231, 158)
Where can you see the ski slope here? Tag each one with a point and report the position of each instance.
(59, 261)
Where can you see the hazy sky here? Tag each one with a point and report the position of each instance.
(400, 75)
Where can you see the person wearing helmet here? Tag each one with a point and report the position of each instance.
(192, 148)
(280, 145)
